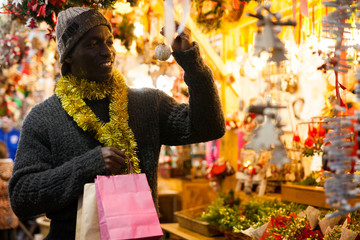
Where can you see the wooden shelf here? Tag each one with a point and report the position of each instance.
(310, 195)
(173, 229)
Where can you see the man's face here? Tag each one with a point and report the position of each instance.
(93, 56)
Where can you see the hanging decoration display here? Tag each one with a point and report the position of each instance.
(10, 53)
(267, 36)
(267, 135)
(37, 11)
(12, 45)
(340, 141)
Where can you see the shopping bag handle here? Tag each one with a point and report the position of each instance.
(130, 168)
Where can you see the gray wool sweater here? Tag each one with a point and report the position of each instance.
(55, 158)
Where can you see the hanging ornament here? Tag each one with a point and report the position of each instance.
(267, 36)
(341, 141)
(162, 52)
(16, 3)
(31, 24)
(57, 3)
(266, 135)
(51, 34)
(41, 11)
(279, 156)
(340, 185)
(170, 25)
(53, 17)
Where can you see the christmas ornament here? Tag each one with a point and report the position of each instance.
(267, 36)
(162, 52)
(31, 24)
(265, 137)
(170, 25)
(341, 140)
(10, 52)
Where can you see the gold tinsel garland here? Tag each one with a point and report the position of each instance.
(116, 132)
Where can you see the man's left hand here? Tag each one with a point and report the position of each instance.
(183, 41)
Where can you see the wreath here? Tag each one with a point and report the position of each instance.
(209, 14)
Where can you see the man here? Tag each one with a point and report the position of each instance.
(93, 120)
(9, 134)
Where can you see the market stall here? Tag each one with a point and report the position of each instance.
(287, 73)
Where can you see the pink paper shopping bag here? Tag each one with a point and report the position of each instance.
(125, 208)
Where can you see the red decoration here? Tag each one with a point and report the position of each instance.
(33, 4)
(51, 34)
(31, 24)
(57, 3)
(309, 142)
(280, 221)
(42, 10)
(53, 17)
(219, 170)
(322, 131)
(296, 138)
(236, 4)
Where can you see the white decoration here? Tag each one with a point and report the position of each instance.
(265, 137)
(162, 52)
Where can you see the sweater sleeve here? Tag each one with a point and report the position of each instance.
(35, 182)
(202, 119)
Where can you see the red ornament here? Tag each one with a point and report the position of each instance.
(236, 4)
(42, 11)
(296, 138)
(53, 17)
(51, 34)
(57, 3)
(31, 24)
(321, 131)
(312, 131)
(33, 4)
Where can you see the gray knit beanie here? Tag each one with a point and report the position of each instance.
(72, 24)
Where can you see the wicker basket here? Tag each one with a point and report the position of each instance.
(188, 219)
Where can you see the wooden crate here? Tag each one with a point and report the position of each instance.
(309, 195)
(188, 219)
